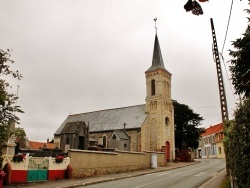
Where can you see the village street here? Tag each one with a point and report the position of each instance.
(182, 174)
(189, 177)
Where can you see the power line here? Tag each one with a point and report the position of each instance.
(205, 107)
(228, 78)
(227, 26)
(229, 18)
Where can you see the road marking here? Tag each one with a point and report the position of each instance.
(150, 174)
(200, 174)
(172, 175)
(165, 173)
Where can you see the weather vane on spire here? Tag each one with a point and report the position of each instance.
(155, 25)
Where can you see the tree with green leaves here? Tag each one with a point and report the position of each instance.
(7, 100)
(20, 132)
(237, 131)
(240, 64)
(187, 132)
(20, 138)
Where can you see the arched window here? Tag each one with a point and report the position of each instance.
(152, 87)
(155, 105)
(151, 106)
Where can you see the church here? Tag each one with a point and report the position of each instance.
(145, 127)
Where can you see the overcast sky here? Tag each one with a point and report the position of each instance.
(86, 55)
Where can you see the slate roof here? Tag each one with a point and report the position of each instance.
(73, 127)
(213, 129)
(109, 120)
(121, 134)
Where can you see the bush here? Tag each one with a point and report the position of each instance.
(238, 146)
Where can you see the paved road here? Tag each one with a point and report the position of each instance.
(187, 177)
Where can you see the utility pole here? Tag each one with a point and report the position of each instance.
(223, 100)
(222, 93)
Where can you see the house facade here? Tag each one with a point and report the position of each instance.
(149, 126)
(211, 143)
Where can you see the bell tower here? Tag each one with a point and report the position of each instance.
(158, 81)
(159, 127)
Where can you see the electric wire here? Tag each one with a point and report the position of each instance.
(229, 18)
(228, 77)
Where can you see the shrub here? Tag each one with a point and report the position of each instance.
(238, 146)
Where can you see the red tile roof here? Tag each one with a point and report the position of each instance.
(39, 145)
(213, 129)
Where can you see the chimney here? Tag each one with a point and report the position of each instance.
(47, 140)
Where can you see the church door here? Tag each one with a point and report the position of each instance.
(167, 154)
(81, 142)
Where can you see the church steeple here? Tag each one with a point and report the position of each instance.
(158, 130)
(157, 61)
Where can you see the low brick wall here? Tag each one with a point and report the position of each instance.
(89, 163)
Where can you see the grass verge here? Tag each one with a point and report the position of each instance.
(225, 183)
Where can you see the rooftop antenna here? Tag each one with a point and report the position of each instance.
(155, 25)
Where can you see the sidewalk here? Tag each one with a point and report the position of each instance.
(216, 180)
(69, 183)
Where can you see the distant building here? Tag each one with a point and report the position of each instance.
(39, 145)
(211, 143)
(23, 143)
(149, 127)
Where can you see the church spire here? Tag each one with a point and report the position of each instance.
(157, 61)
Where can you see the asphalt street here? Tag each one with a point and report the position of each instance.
(187, 177)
